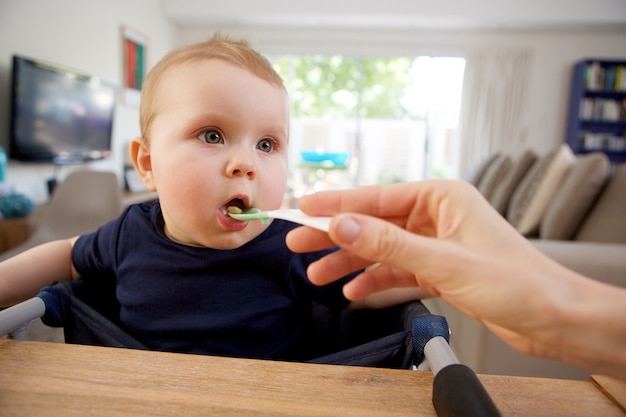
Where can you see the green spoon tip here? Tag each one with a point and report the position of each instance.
(250, 214)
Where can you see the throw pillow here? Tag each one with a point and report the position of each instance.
(503, 192)
(493, 175)
(575, 197)
(477, 173)
(520, 199)
(542, 188)
(606, 222)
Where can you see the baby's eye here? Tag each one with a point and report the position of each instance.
(212, 137)
(265, 145)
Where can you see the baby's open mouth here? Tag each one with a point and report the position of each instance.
(235, 206)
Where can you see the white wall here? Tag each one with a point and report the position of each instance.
(554, 53)
(84, 35)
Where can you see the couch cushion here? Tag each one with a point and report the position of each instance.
(476, 174)
(503, 192)
(494, 174)
(524, 192)
(575, 196)
(531, 200)
(601, 261)
(607, 220)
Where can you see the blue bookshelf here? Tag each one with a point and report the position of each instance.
(597, 108)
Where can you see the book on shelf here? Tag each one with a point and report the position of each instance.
(604, 109)
(605, 78)
(620, 78)
(594, 141)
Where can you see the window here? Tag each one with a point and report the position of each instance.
(395, 119)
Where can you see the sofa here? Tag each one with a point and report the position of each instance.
(573, 209)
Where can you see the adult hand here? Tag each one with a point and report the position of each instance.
(444, 237)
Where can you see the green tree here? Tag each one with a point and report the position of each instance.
(337, 86)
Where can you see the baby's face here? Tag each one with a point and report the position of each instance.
(219, 139)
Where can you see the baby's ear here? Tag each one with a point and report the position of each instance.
(140, 155)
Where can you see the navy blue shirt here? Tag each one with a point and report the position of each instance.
(253, 301)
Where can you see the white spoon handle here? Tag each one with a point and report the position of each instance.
(296, 216)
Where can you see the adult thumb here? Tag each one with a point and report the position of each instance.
(377, 240)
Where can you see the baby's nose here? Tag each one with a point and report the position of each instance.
(241, 165)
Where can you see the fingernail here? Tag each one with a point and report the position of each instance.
(348, 230)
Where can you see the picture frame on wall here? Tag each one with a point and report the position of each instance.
(134, 47)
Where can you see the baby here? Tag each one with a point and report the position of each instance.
(214, 123)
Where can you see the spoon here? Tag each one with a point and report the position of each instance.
(292, 215)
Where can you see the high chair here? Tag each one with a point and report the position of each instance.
(404, 337)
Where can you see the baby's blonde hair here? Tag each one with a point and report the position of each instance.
(236, 52)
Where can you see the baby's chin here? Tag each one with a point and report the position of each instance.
(220, 241)
(235, 240)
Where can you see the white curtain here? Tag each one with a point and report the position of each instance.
(493, 104)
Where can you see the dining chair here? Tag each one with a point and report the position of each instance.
(81, 203)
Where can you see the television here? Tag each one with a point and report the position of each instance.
(59, 115)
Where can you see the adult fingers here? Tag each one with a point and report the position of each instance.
(380, 241)
(307, 239)
(334, 266)
(383, 201)
(380, 279)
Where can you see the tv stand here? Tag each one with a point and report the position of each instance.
(72, 159)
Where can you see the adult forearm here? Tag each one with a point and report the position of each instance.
(23, 275)
(583, 324)
(597, 339)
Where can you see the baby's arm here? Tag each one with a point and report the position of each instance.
(23, 275)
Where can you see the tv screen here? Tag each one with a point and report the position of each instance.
(59, 115)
